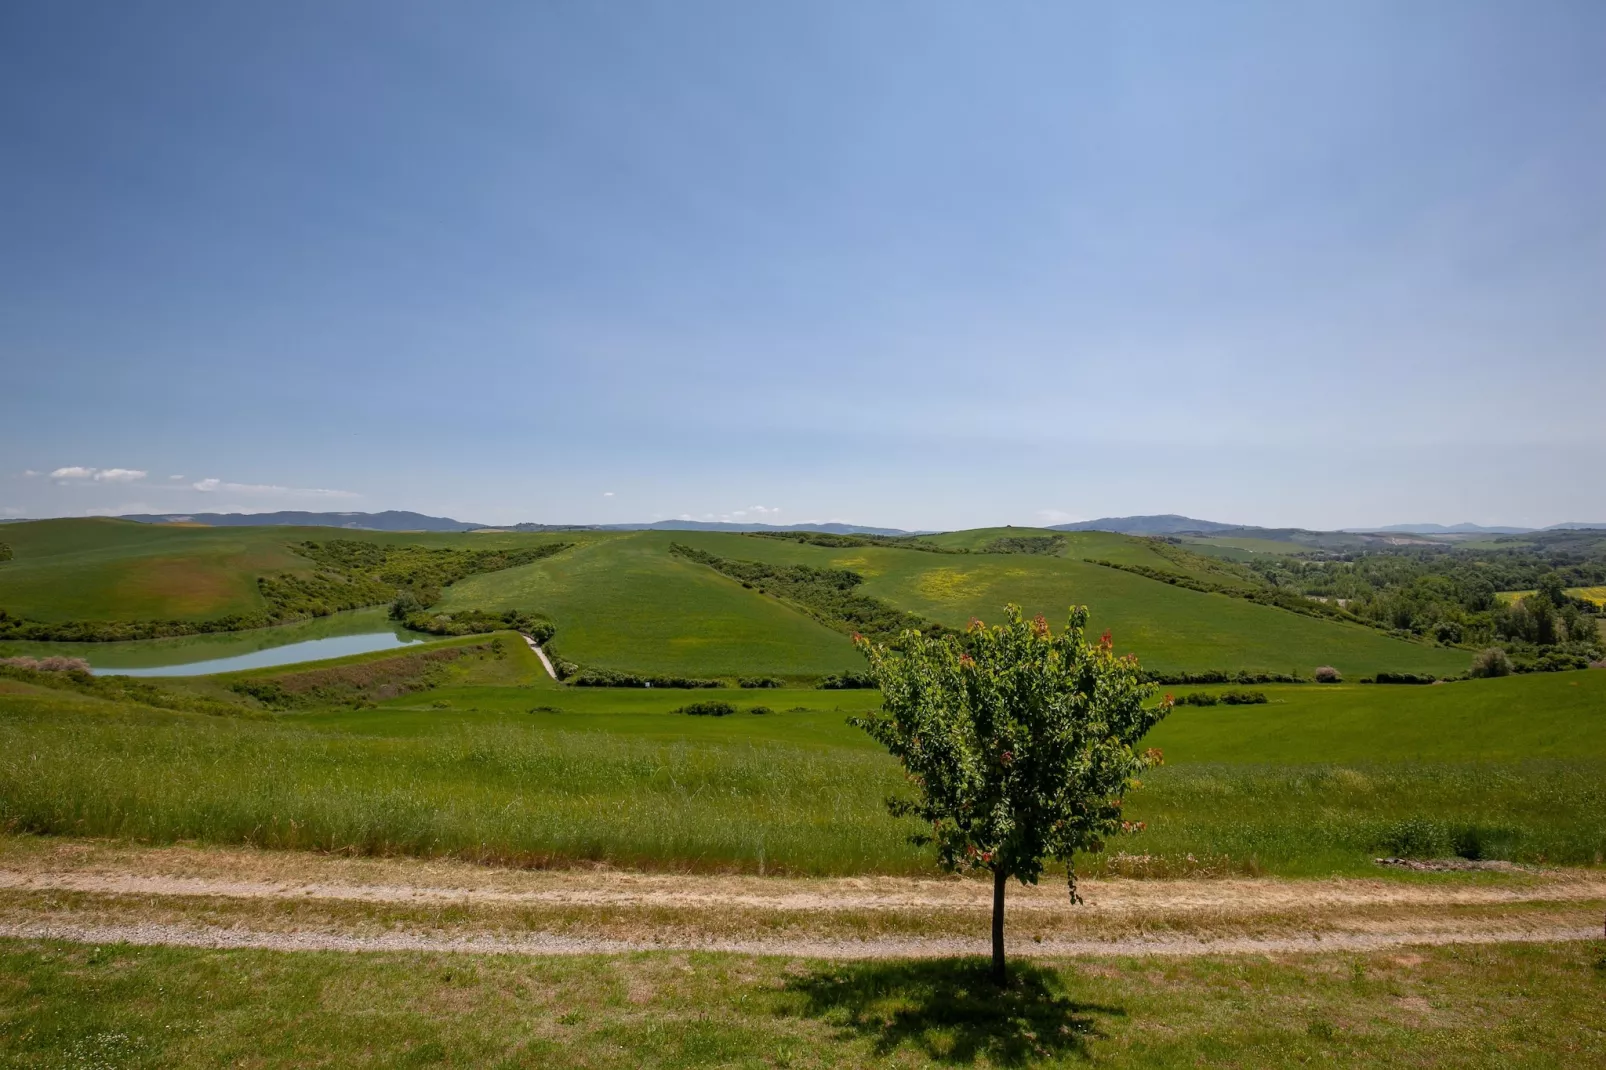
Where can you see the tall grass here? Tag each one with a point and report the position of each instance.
(1320, 818)
(518, 791)
(505, 793)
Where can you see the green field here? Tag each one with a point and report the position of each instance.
(105, 569)
(499, 764)
(1490, 1006)
(488, 758)
(626, 603)
(623, 601)
(1168, 627)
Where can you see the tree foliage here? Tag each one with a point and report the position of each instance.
(1020, 743)
(829, 595)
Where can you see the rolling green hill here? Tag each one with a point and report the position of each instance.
(621, 600)
(102, 569)
(625, 603)
(1319, 780)
(105, 569)
(1170, 628)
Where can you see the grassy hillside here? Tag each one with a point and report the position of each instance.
(1168, 627)
(626, 603)
(100, 569)
(622, 601)
(492, 764)
(104, 569)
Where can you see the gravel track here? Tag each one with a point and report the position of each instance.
(550, 944)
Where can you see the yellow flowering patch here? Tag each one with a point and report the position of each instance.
(950, 585)
(1596, 595)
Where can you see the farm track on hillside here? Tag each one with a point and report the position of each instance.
(100, 893)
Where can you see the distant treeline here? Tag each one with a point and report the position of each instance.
(1048, 545)
(351, 574)
(1223, 676)
(1450, 594)
(1267, 596)
(834, 541)
(471, 621)
(827, 594)
(1006, 544)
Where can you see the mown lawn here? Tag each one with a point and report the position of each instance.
(136, 1007)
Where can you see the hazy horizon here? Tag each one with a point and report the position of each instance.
(922, 266)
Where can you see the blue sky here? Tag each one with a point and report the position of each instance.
(914, 264)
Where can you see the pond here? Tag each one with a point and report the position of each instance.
(355, 632)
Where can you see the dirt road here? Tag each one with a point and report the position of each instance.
(546, 663)
(96, 892)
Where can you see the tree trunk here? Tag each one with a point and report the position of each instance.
(999, 974)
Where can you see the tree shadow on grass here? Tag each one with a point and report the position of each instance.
(951, 1010)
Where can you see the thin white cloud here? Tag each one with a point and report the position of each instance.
(175, 477)
(607, 494)
(99, 475)
(28, 473)
(209, 486)
(11, 510)
(1056, 516)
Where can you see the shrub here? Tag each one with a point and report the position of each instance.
(612, 678)
(829, 595)
(1244, 698)
(1050, 545)
(52, 664)
(1489, 663)
(847, 681)
(759, 681)
(761, 710)
(478, 622)
(709, 708)
(1221, 676)
(1405, 678)
(5, 552)
(1329, 675)
(1197, 698)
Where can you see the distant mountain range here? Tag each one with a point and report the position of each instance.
(1441, 529)
(1172, 524)
(1471, 529)
(1162, 524)
(400, 520)
(706, 525)
(391, 520)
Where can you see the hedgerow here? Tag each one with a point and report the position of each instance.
(826, 594)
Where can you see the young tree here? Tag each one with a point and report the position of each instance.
(1020, 744)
